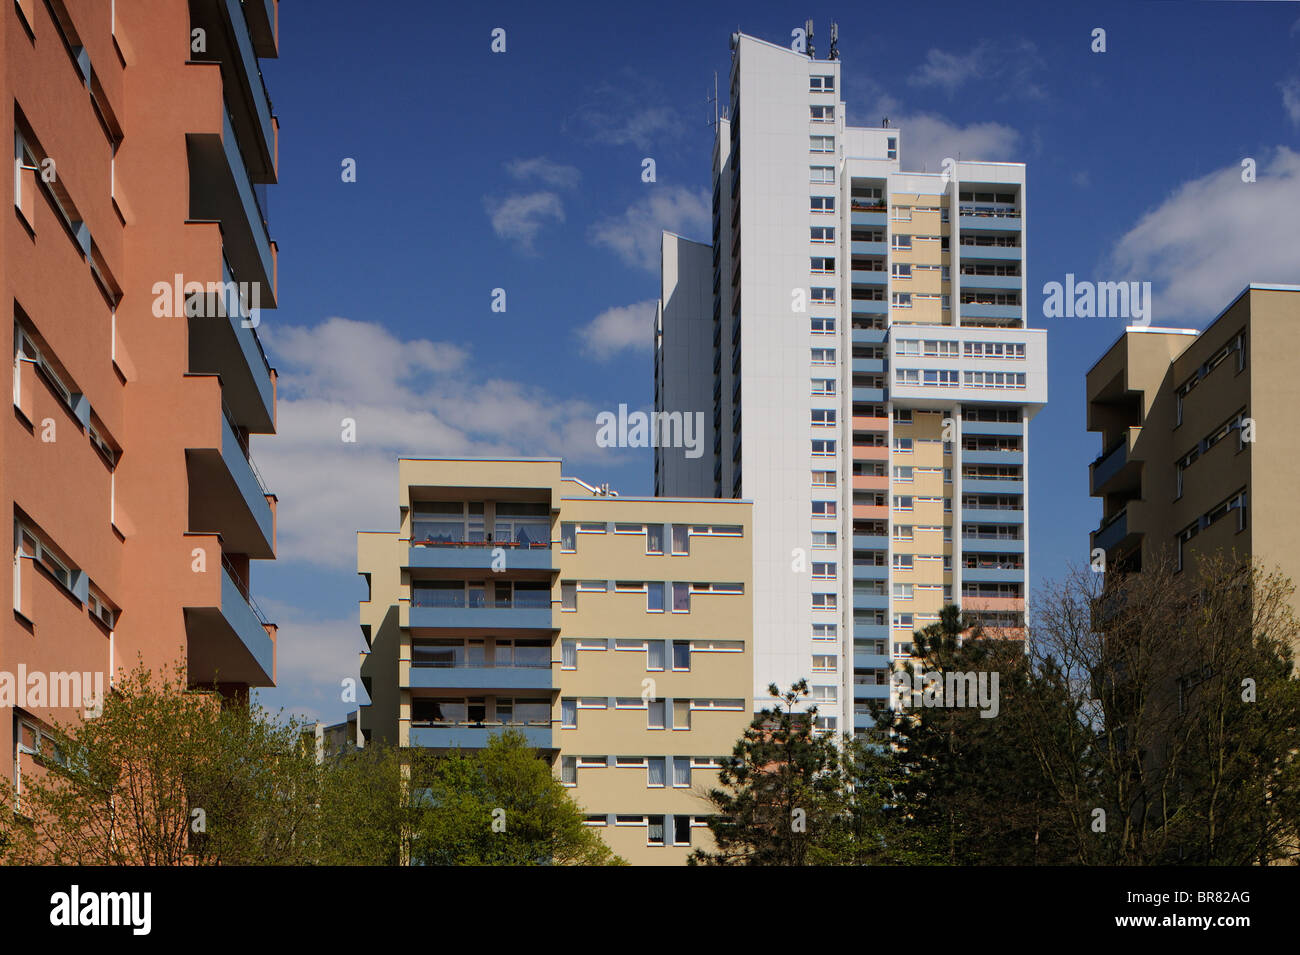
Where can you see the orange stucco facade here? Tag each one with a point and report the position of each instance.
(140, 141)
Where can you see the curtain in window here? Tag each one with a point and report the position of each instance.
(657, 767)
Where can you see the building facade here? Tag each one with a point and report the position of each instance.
(613, 632)
(856, 335)
(1197, 436)
(135, 263)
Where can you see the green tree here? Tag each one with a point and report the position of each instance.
(500, 805)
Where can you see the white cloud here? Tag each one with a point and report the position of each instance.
(1213, 236)
(618, 329)
(629, 114)
(947, 70)
(520, 218)
(1010, 65)
(635, 235)
(644, 128)
(553, 174)
(407, 397)
(927, 139)
(1291, 98)
(314, 654)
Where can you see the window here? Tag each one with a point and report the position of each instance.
(657, 714)
(903, 621)
(902, 300)
(824, 601)
(681, 654)
(903, 562)
(569, 713)
(568, 595)
(821, 114)
(655, 830)
(825, 694)
(681, 714)
(821, 233)
(823, 387)
(821, 203)
(681, 597)
(904, 474)
(903, 532)
(821, 84)
(655, 596)
(682, 774)
(825, 631)
(903, 591)
(902, 242)
(823, 448)
(824, 662)
(821, 295)
(681, 539)
(822, 325)
(568, 537)
(823, 508)
(821, 144)
(824, 540)
(891, 148)
(655, 772)
(654, 539)
(823, 356)
(824, 478)
(823, 570)
(902, 502)
(568, 655)
(821, 173)
(903, 444)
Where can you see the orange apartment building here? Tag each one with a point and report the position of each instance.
(135, 264)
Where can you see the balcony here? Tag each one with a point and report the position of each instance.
(482, 678)
(870, 571)
(220, 189)
(993, 575)
(992, 427)
(870, 542)
(989, 222)
(227, 497)
(988, 544)
(230, 641)
(1001, 458)
(870, 631)
(1120, 529)
(868, 366)
(475, 736)
(479, 556)
(221, 342)
(1115, 469)
(870, 336)
(869, 394)
(1013, 282)
(870, 601)
(479, 618)
(868, 248)
(863, 306)
(992, 485)
(871, 691)
(858, 218)
(998, 252)
(237, 35)
(981, 310)
(994, 515)
(870, 277)
(870, 661)
(871, 482)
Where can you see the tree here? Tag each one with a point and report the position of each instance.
(792, 795)
(500, 805)
(1186, 710)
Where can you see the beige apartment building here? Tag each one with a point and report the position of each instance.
(613, 632)
(1199, 435)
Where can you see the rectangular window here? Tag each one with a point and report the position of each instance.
(657, 714)
(823, 387)
(681, 654)
(568, 655)
(681, 773)
(569, 713)
(681, 539)
(821, 203)
(568, 537)
(655, 596)
(821, 84)
(655, 655)
(821, 233)
(569, 770)
(681, 597)
(821, 144)
(821, 114)
(654, 539)
(821, 174)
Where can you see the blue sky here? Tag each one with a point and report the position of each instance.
(521, 170)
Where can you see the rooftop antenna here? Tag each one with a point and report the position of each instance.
(714, 100)
(835, 40)
(808, 31)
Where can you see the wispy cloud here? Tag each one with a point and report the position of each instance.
(928, 139)
(314, 655)
(629, 114)
(539, 168)
(1290, 88)
(1197, 267)
(406, 396)
(619, 329)
(634, 236)
(520, 218)
(1010, 64)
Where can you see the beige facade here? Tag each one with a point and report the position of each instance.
(1199, 445)
(614, 632)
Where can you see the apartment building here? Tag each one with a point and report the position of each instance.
(1198, 433)
(856, 334)
(135, 264)
(613, 632)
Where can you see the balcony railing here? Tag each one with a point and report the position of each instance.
(436, 601)
(242, 588)
(242, 440)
